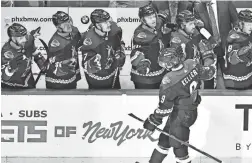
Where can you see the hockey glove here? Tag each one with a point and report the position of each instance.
(199, 23)
(143, 66)
(164, 15)
(94, 64)
(196, 98)
(151, 123)
(245, 54)
(15, 62)
(206, 72)
(120, 58)
(41, 62)
(206, 49)
(172, 26)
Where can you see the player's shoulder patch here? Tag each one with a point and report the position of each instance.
(141, 35)
(166, 80)
(176, 40)
(55, 43)
(8, 54)
(87, 42)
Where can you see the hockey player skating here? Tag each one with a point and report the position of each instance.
(16, 58)
(148, 41)
(63, 71)
(103, 52)
(178, 99)
(237, 71)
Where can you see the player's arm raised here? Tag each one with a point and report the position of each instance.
(38, 57)
(207, 52)
(137, 57)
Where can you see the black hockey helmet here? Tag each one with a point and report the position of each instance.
(16, 30)
(99, 16)
(170, 57)
(185, 16)
(60, 17)
(146, 11)
(245, 15)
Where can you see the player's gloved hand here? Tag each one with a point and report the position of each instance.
(205, 46)
(120, 58)
(164, 15)
(15, 62)
(94, 64)
(172, 26)
(143, 66)
(41, 62)
(151, 123)
(206, 49)
(196, 98)
(207, 72)
(199, 23)
(245, 54)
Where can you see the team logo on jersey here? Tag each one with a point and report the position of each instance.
(166, 80)
(111, 53)
(87, 42)
(9, 55)
(176, 40)
(55, 43)
(141, 35)
(234, 36)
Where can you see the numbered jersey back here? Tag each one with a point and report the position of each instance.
(185, 81)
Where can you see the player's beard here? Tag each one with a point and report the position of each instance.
(20, 43)
(68, 29)
(106, 28)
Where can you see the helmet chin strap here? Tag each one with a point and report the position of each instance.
(102, 31)
(63, 32)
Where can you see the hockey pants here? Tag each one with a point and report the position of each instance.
(177, 125)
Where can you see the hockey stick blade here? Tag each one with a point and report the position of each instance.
(135, 117)
(180, 141)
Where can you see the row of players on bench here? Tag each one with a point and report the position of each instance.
(103, 50)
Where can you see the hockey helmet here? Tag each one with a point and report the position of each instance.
(170, 57)
(146, 11)
(185, 16)
(245, 15)
(99, 16)
(60, 17)
(16, 30)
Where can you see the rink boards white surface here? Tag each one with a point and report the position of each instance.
(216, 131)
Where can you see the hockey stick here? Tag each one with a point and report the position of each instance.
(113, 85)
(182, 142)
(47, 51)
